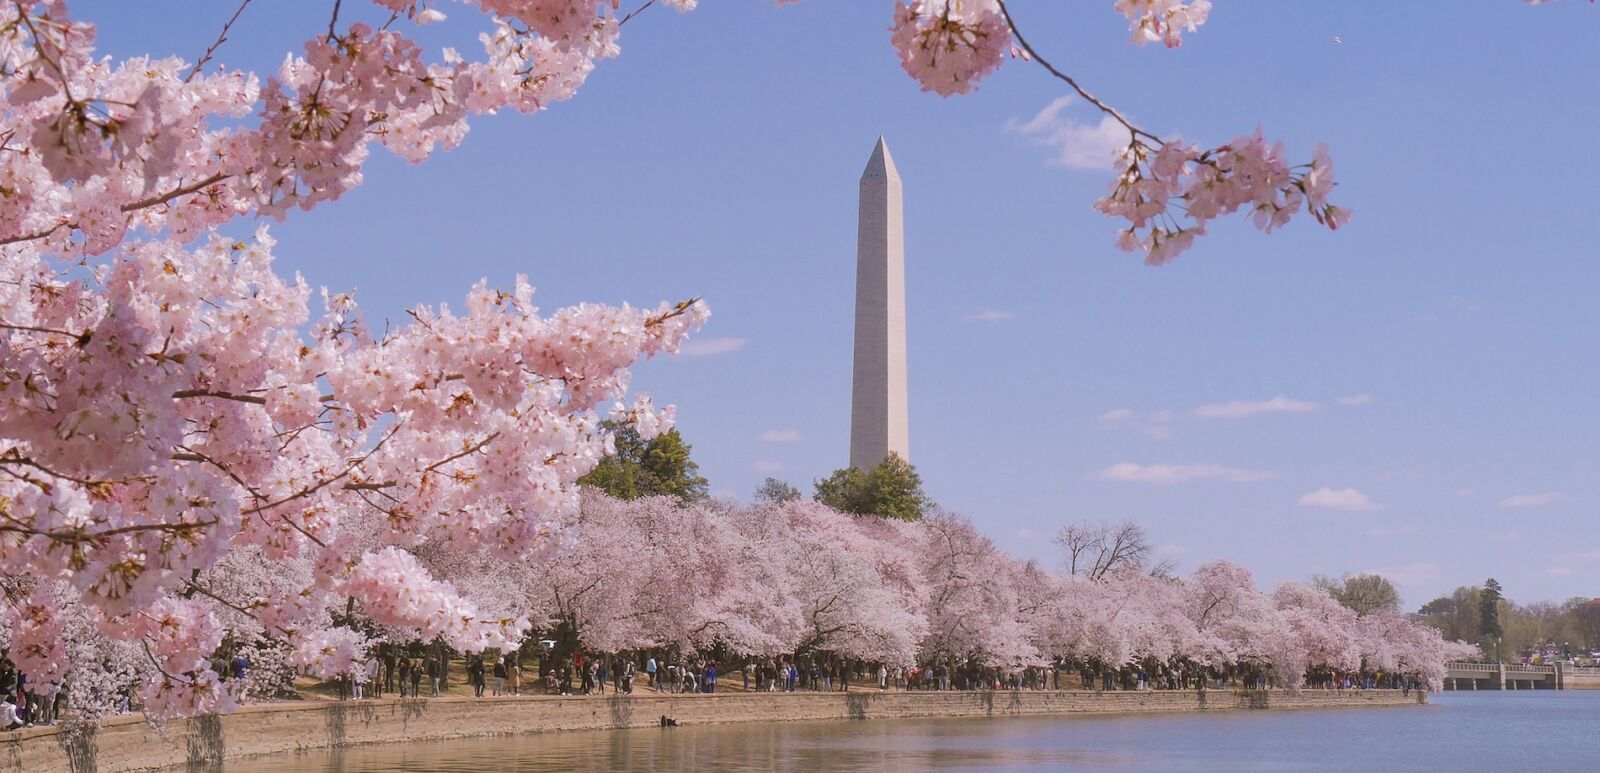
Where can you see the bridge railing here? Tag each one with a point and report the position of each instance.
(1511, 668)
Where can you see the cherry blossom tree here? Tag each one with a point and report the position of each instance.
(853, 579)
(1234, 620)
(177, 400)
(192, 459)
(1326, 633)
(972, 606)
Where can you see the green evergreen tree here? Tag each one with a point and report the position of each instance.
(775, 490)
(1489, 618)
(661, 466)
(892, 489)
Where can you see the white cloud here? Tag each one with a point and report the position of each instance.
(1343, 499)
(1533, 500)
(990, 315)
(766, 466)
(1239, 409)
(1026, 534)
(1558, 571)
(1361, 399)
(1466, 492)
(1078, 145)
(1505, 536)
(1592, 555)
(1154, 425)
(785, 435)
(1168, 474)
(707, 347)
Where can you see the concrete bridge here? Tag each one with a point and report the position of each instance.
(1516, 676)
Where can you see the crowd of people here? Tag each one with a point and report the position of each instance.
(422, 676)
(422, 672)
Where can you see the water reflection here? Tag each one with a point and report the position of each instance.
(798, 747)
(1461, 732)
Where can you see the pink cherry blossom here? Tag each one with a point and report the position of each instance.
(949, 45)
(1163, 21)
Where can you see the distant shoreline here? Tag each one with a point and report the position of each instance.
(129, 743)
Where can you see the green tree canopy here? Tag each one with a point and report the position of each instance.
(657, 467)
(1489, 610)
(892, 489)
(775, 490)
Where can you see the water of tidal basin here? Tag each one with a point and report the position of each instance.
(1487, 731)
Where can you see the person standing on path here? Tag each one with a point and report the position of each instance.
(431, 666)
(513, 671)
(500, 676)
(475, 675)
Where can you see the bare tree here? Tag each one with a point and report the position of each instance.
(1361, 593)
(1095, 549)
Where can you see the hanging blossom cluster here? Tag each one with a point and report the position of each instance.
(169, 404)
(1168, 194)
(780, 578)
(949, 45)
(1163, 21)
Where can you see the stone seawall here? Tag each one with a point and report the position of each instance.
(131, 744)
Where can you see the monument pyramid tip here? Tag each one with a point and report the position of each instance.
(881, 164)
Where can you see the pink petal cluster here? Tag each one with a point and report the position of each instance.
(1169, 194)
(178, 636)
(148, 144)
(394, 589)
(1163, 21)
(34, 639)
(949, 45)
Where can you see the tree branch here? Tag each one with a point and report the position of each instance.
(222, 37)
(1090, 98)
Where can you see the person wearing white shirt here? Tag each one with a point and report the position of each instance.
(8, 715)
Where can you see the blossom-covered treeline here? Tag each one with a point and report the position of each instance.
(799, 577)
(784, 579)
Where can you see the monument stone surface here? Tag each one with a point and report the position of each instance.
(878, 420)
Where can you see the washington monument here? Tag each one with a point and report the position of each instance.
(878, 423)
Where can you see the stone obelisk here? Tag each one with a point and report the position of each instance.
(878, 423)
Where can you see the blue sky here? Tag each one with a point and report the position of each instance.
(718, 157)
